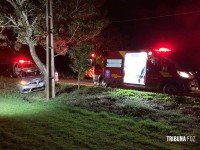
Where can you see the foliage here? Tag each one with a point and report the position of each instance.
(74, 22)
(78, 21)
(49, 124)
(79, 55)
(26, 19)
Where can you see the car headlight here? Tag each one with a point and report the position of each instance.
(183, 74)
(23, 82)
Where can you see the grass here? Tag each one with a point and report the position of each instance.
(96, 118)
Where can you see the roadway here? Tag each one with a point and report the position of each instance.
(75, 82)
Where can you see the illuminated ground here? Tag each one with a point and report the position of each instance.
(97, 118)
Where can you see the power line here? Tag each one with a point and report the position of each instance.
(156, 17)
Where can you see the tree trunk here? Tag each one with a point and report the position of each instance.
(36, 59)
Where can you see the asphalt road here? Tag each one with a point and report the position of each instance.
(75, 82)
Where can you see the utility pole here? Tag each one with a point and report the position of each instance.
(50, 76)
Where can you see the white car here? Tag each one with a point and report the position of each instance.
(31, 83)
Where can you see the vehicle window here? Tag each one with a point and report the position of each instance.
(168, 65)
(28, 74)
(16, 66)
(115, 63)
(28, 65)
(153, 63)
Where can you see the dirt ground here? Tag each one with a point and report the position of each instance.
(89, 82)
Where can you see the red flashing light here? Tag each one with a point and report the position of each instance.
(150, 53)
(163, 50)
(93, 55)
(23, 61)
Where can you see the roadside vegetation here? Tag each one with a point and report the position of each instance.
(96, 118)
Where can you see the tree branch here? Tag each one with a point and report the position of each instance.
(62, 52)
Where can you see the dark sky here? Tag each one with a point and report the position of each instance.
(159, 23)
(154, 23)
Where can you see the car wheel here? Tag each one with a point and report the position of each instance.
(103, 83)
(170, 88)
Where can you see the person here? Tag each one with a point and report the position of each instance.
(142, 74)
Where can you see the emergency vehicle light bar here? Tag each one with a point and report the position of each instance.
(23, 61)
(163, 50)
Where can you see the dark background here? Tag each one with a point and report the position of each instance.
(160, 23)
(150, 24)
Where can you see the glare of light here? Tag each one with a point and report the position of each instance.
(163, 50)
(183, 74)
(23, 61)
(92, 55)
(135, 68)
(22, 82)
(150, 53)
(18, 107)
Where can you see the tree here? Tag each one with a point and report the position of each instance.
(78, 21)
(25, 22)
(79, 55)
(74, 21)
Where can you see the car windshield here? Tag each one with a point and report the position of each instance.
(28, 65)
(169, 61)
(28, 74)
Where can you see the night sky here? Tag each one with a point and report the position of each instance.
(160, 23)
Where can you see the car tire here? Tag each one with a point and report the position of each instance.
(170, 88)
(103, 83)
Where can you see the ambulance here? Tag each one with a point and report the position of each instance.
(149, 69)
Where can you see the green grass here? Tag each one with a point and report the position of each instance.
(55, 126)
(95, 118)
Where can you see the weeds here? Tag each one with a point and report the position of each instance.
(111, 118)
